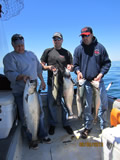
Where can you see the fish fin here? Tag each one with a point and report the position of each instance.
(72, 81)
(26, 98)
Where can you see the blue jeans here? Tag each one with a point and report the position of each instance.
(88, 107)
(52, 107)
(103, 106)
(41, 131)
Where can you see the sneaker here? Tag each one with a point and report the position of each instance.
(47, 140)
(68, 129)
(52, 130)
(85, 133)
(33, 145)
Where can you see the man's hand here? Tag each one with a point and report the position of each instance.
(52, 68)
(70, 67)
(79, 75)
(98, 78)
(43, 85)
(22, 77)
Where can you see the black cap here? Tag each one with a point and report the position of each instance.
(86, 31)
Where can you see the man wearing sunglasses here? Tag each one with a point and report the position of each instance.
(55, 58)
(91, 62)
(19, 65)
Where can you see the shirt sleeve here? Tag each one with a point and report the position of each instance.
(71, 58)
(39, 66)
(44, 56)
(76, 60)
(10, 68)
(106, 62)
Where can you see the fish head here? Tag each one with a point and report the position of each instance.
(81, 82)
(55, 72)
(95, 84)
(32, 86)
(67, 73)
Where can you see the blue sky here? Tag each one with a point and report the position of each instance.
(39, 19)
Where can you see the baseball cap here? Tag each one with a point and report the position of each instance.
(57, 34)
(17, 39)
(86, 31)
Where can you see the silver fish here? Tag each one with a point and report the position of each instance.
(68, 92)
(95, 84)
(31, 108)
(55, 84)
(80, 96)
(96, 98)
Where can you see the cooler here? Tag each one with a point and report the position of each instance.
(7, 113)
(111, 143)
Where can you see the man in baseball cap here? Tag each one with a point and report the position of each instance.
(91, 62)
(52, 59)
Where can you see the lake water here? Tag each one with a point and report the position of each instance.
(112, 76)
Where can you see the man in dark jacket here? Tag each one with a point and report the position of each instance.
(91, 62)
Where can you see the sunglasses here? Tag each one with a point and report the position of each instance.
(85, 36)
(57, 39)
(17, 38)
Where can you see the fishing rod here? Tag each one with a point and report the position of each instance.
(107, 89)
(109, 85)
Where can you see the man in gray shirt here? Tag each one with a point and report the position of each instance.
(19, 65)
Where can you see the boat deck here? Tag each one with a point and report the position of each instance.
(5, 144)
(63, 146)
(66, 146)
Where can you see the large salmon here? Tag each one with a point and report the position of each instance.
(96, 98)
(68, 92)
(55, 85)
(31, 108)
(80, 96)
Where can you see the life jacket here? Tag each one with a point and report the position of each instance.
(115, 117)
